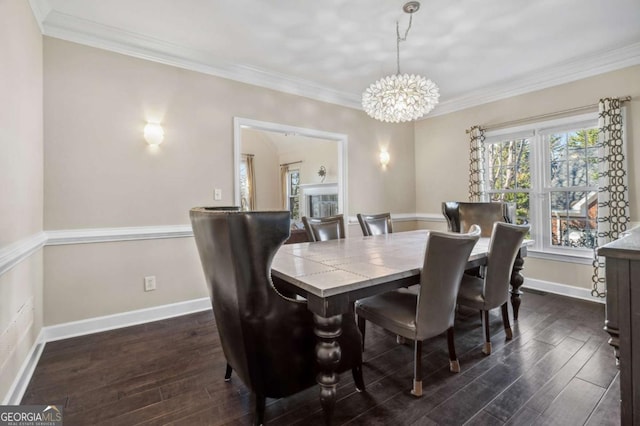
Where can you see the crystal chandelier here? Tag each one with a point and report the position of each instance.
(401, 97)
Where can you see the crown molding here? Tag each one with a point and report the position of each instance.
(66, 27)
(70, 28)
(565, 72)
(40, 9)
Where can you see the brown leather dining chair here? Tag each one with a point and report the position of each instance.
(324, 228)
(267, 339)
(375, 224)
(492, 290)
(461, 215)
(430, 311)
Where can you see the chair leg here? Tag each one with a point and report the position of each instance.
(454, 365)
(227, 374)
(261, 401)
(487, 333)
(362, 326)
(505, 321)
(417, 369)
(357, 377)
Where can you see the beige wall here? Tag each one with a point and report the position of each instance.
(99, 172)
(442, 150)
(91, 280)
(20, 177)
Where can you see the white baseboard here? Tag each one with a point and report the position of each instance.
(124, 319)
(22, 379)
(561, 289)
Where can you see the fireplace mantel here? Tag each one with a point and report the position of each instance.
(323, 188)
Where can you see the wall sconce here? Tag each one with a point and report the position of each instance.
(153, 134)
(384, 158)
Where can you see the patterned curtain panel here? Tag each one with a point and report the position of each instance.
(613, 198)
(476, 164)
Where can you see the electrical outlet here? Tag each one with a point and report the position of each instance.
(149, 283)
(217, 194)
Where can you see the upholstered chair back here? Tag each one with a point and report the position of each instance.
(267, 338)
(324, 228)
(461, 215)
(375, 224)
(236, 250)
(445, 259)
(506, 240)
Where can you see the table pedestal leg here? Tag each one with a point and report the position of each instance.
(516, 282)
(328, 355)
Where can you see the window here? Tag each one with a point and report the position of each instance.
(550, 170)
(293, 193)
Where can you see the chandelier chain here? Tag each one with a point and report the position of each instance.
(399, 39)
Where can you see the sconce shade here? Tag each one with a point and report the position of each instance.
(153, 133)
(384, 158)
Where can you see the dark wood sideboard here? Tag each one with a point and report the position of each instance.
(297, 236)
(623, 318)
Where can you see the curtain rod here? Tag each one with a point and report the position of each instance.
(545, 116)
(288, 164)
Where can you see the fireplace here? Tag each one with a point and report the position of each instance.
(319, 199)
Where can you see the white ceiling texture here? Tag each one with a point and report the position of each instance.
(331, 50)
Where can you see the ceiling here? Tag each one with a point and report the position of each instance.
(476, 51)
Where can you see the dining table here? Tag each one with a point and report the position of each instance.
(332, 275)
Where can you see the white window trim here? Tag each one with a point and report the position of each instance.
(542, 247)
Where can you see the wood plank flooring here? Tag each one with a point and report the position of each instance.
(557, 370)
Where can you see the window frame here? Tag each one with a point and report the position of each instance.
(540, 185)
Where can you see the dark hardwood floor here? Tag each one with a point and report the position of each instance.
(558, 369)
